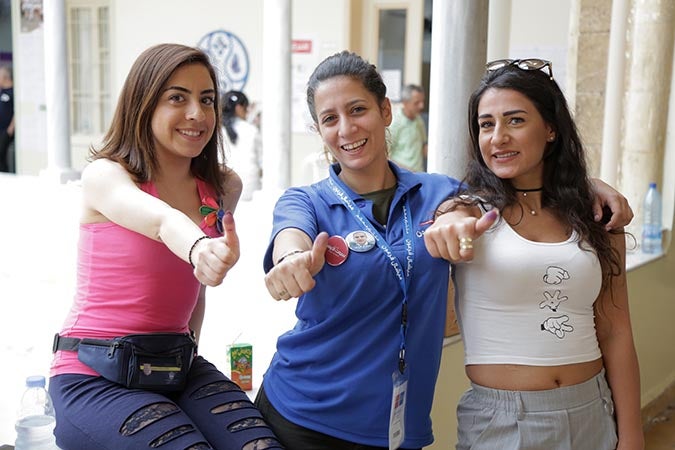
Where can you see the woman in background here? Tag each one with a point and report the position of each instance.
(244, 142)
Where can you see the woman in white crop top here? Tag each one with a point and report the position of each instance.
(543, 307)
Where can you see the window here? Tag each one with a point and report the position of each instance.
(89, 65)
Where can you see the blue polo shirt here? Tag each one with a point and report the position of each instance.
(332, 372)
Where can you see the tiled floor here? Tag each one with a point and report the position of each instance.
(660, 434)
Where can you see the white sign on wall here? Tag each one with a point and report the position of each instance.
(303, 62)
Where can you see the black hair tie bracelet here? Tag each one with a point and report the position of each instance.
(193, 247)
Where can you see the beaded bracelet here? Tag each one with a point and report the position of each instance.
(286, 255)
(193, 247)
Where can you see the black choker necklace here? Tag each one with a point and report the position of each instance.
(525, 191)
(530, 190)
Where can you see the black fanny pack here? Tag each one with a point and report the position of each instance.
(158, 361)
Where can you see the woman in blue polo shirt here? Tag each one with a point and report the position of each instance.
(358, 369)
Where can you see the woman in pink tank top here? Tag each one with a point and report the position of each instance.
(156, 228)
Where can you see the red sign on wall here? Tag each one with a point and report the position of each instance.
(301, 46)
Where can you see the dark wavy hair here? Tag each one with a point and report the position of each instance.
(129, 140)
(230, 101)
(567, 187)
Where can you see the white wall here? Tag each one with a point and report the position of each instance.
(540, 29)
(326, 24)
(138, 25)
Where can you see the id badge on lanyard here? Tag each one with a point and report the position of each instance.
(400, 376)
(399, 397)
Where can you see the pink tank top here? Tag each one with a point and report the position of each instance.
(128, 283)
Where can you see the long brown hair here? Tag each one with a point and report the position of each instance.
(129, 140)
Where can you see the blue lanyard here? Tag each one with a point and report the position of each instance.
(402, 276)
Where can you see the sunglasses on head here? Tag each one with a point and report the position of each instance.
(523, 64)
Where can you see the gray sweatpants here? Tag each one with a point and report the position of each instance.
(579, 417)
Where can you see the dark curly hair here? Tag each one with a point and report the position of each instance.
(567, 188)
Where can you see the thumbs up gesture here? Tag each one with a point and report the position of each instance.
(452, 234)
(293, 274)
(213, 258)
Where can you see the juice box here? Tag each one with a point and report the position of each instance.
(241, 365)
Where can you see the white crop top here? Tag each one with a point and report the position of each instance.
(525, 302)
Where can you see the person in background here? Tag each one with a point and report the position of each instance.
(548, 341)
(371, 300)
(6, 117)
(408, 134)
(156, 227)
(243, 142)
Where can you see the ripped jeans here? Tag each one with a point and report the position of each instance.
(210, 413)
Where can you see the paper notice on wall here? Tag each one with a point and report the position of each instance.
(303, 62)
(392, 79)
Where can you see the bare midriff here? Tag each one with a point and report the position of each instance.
(513, 377)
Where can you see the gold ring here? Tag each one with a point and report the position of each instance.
(283, 293)
(465, 243)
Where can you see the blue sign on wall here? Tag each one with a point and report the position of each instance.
(230, 58)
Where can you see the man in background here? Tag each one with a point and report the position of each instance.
(408, 133)
(6, 116)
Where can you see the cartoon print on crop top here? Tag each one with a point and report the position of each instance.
(555, 275)
(558, 325)
(553, 300)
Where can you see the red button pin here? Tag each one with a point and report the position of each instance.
(337, 250)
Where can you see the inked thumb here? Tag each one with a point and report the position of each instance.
(318, 255)
(485, 222)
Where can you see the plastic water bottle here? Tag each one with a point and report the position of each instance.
(651, 225)
(36, 419)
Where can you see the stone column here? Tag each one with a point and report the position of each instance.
(499, 30)
(56, 90)
(587, 69)
(668, 184)
(276, 117)
(458, 53)
(646, 101)
(616, 68)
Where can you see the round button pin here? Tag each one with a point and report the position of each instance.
(337, 251)
(360, 241)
